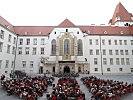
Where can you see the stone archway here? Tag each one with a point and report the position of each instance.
(66, 69)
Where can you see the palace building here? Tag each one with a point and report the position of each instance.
(68, 47)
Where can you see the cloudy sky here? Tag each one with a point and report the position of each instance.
(53, 12)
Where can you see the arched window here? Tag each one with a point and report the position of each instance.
(53, 48)
(66, 46)
(80, 47)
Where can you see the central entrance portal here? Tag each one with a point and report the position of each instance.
(66, 69)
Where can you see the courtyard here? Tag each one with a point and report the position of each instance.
(124, 78)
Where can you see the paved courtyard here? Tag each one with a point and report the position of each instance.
(124, 78)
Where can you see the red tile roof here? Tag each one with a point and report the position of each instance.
(96, 30)
(66, 23)
(131, 29)
(109, 30)
(6, 24)
(122, 13)
(33, 30)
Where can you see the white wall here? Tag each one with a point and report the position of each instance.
(4, 55)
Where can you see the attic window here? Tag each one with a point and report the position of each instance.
(66, 30)
(40, 33)
(117, 18)
(8, 26)
(132, 18)
(26, 33)
(88, 32)
(105, 32)
(121, 32)
(54, 32)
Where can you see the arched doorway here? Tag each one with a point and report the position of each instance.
(79, 69)
(53, 69)
(66, 69)
(40, 70)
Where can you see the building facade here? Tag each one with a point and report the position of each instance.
(69, 48)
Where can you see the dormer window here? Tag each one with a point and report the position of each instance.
(105, 32)
(121, 32)
(117, 18)
(132, 18)
(26, 33)
(40, 33)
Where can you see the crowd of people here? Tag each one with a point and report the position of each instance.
(106, 89)
(65, 74)
(28, 88)
(67, 89)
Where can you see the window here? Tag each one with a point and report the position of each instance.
(117, 61)
(34, 51)
(109, 42)
(66, 46)
(121, 51)
(103, 42)
(0, 63)
(125, 42)
(7, 63)
(42, 41)
(97, 52)
(53, 47)
(28, 41)
(96, 69)
(35, 41)
(31, 64)
(14, 40)
(126, 52)
(127, 61)
(13, 50)
(12, 65)
(111, 61)
(2, 34)
(115, 42)
(95, 61)
(9, 38)
(20, 41)
(131, 70)
(80, 47)
(110, 52)
(131, 42)
(27, 49)
(104, 52)
(91, 52)
(8, 48)
(23, 64)
(122, 61)
(66, 30)
(42, 50)
(132, 52)
(96, 41)
(108, 69)
(120, 41)
(116, 52)
(90, 41)
(120, 69)
(20, 50)
(104, 61)
(1, 46)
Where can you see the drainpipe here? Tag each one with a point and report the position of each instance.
(15, 54)
(101, 55)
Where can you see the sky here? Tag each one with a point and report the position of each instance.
(53, 12)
